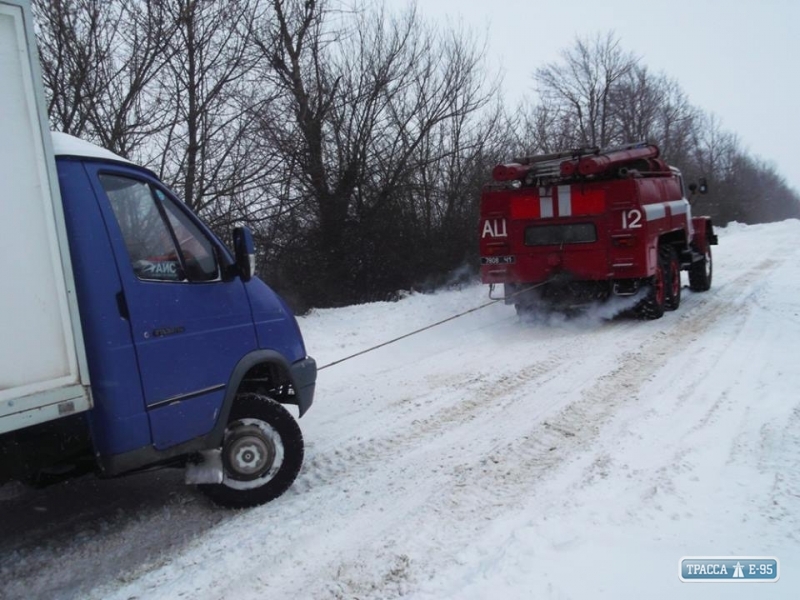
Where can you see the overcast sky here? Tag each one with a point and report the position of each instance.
(735, 58)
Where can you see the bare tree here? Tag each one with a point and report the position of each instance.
(73, 37)
(99, 62)
(654, 108)
(637, 99)
(539, 128)
(677, 121)
(208, 151)
(581, 86)
(361, 97)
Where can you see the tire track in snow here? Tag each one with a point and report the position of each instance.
(712, 415)
(477, 491)
(453, 402)
(367, 466)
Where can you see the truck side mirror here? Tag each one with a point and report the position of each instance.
(245, 252)
(700, 187)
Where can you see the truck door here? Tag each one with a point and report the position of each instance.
(190, 323)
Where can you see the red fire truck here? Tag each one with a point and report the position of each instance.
(584, 225)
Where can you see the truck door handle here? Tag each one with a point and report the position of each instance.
(122, 306)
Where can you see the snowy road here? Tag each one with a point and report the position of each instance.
(486, 458)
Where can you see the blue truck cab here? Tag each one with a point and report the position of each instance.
(178, 332)
(132, 337)
(190, 356)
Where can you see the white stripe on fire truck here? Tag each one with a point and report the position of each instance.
(653, 212)
(545, 204)
(564, 201)
(678, 207)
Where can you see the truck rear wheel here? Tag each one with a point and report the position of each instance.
(653, 306)
(673, 277)
(524, 309)
(262, 452)
(700, 273)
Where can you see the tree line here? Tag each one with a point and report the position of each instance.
(354, 141)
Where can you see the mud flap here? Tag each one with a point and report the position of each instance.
(209, 470)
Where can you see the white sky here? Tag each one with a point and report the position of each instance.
(736, 58)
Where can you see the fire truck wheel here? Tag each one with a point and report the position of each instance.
(700, 273)
(523, 309)
(262, 453)
(673, 277)
(653, 306)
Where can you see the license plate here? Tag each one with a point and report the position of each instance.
(497, 260)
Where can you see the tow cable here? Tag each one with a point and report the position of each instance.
(432, 325)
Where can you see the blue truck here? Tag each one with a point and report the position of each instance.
(132, 337)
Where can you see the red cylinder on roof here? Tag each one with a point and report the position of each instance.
(510, 172)
(568, 168)
(592, 165)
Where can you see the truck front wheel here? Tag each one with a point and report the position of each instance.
(262, 452)
(700, 273)
(673, 277)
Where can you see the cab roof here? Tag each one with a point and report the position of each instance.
(68, 145)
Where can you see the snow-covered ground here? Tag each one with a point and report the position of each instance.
(485, 458)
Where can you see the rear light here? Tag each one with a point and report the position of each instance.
(624, 241)
(495, 248)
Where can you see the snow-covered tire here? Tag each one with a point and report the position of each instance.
(262, 452)
(700, 273)
(669, 256)
(653, 306)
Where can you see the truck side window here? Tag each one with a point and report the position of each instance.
(198, 253)
(162, 243)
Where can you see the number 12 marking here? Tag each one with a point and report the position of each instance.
(632, 219)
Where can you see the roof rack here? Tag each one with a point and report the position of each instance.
(583, 162)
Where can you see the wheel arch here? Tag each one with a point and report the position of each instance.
(675, 238)
(704, 235)
(266, 372)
